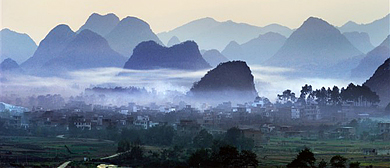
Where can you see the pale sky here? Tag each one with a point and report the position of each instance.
(38, 17)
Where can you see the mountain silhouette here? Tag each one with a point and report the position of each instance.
(129, 32)
(214, 57)
(257, 50)
(150, 55)
(87, 50)
(50, 47)
(173, 41)
(313, 47)
(372, 60)
(379, 82)
(100, 24)
(9, 65)
(386, 42)
(377, 30)
(212, 34)
(16, 46)
(360, 40)
(231, 80)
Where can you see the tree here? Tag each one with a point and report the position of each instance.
(227, 156)
(338, 161)
(305, 158)
(132, 156)
(306, 90)
(200, 158)
(354, 165)
(360, 95)
(160, 135)
(203, 139)
(233, 136)
(123, 145)
(136, 152)
(287, 96)
(248, 158)
(322, 96)
(322, 164)
(335, 95)
(354, 123)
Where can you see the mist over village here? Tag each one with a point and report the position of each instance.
(118, 84)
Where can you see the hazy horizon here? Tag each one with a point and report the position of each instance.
(174, 13)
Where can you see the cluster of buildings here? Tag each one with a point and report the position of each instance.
(258, 119)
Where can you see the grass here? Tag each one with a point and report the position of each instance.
(40, 151)
(51, 151)
(281, 151)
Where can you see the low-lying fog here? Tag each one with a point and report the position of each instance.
(269, 81)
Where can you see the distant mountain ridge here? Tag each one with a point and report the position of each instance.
(372, 60)
(128, 33)
(17, 46)
(214, 57)
(50, 47)
(380, 82)
(87, 50)
(150, 55)
(173, 41)
(100, 24)
(212, 34)
(9, 65)
(360, 40)
(312, 48)
(377, 30)
(257, 50)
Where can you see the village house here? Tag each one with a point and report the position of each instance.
(142, 121)
(344, 133)
(84, 124)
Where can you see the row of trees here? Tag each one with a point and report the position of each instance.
(360, 95)
(167, 136)
(217, 156)
(306, 159)
(48, 101)
(202, 148)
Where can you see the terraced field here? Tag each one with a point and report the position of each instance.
(30, 151)
(281, 151)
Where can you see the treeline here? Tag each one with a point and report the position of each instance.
(167, 136)
(359, 95)
(130, 90)
(48, 101)
(218, 155)
(306, 159)
(200, 150)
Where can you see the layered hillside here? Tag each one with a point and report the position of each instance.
(129, 32)
(380, 82)
(231, 80)
(150, 55)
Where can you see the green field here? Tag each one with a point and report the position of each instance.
(38, 151)
(280, 151)
(30, 151)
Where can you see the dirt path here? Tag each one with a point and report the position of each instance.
(114, 155)
(63, 165)
(91, 139)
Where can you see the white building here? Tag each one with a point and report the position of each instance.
(295, 113)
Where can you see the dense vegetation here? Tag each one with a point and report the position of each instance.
(306, 159)
(359, 95)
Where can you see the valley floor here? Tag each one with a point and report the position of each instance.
(39, 151)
